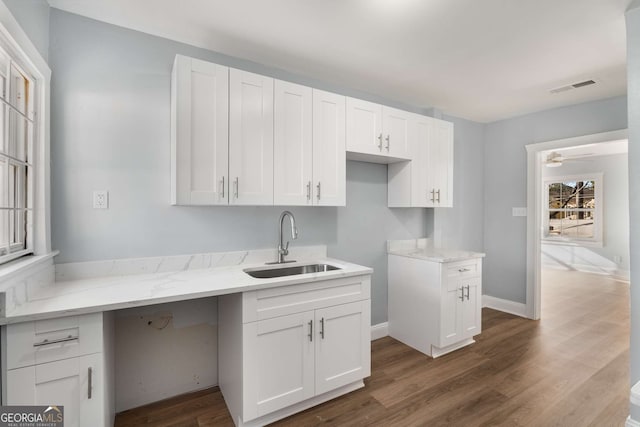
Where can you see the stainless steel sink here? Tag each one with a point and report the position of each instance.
(267, 273)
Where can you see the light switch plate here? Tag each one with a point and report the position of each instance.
(100, 199)
(519, 211)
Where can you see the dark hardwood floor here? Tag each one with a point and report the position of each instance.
(569, 369)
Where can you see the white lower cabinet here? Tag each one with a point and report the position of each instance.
(297, 354)
(434, 307)
(77, 374)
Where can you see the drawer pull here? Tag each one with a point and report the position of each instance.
(90, 382)
(322, 328)
(310, 330)
(48, 342)
(467, 292)
(463, 270)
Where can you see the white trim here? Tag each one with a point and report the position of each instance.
(380, 330)
(534, 206)
(631, 422)
(504, 305)
(634, 398)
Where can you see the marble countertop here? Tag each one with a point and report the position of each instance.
(95, 294)
(422, 249)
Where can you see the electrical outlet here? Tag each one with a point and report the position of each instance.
(100, 199)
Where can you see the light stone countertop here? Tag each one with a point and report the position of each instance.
(422, 249)
(96, 294)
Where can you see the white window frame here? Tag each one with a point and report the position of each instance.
(598, 232)
(17, 44)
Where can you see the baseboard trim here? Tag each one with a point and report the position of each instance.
(631, 422)
(634, 398)
(380, 330)
(504, 305)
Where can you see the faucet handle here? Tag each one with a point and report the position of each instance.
(285, 251)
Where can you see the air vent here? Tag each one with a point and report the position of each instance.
(573, 86)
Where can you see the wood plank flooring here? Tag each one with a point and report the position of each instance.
(569, 369)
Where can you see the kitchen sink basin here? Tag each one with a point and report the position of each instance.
(268, 273)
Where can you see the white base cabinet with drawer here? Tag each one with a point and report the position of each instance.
(285, 349)
(434, 307)
(65, 362)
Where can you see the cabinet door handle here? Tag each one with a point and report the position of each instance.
(47, 342)
(438, 192)
(463, 270)
(237, 186)
(467, 292)
(433, 195)
(322, 328)
(89, 382)
(310, 330)
(380, 141)
(309, 190)
(388, 139)
(461, 293)
(223, 187)
(318, 187)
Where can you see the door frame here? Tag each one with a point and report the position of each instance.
(534, 206)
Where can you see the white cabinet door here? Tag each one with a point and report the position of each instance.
(279, 362)
(329, 156)
(450, 316)
(441, 163)
(421, 136)
(293, 153)
(343, 348)
(471, 307)
(200, 132)
(364, 127)
(76, 383)
(395, 132)
(250, 138)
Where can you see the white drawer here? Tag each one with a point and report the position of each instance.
(280, 301)
(453, 271)
(42, 341)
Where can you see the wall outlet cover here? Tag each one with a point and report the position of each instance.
(100, 199)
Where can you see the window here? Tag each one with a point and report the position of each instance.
(574, 208)
(16, 158)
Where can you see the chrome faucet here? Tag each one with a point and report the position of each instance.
(283, 250)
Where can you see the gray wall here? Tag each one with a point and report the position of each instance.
(33, 17)
(110, 130)
(615, 219)
(505, 183)
(463, 225)
(633, 81)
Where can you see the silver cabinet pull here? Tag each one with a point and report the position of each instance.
(433, 195)
(438, 192)
(309, 190)
(461, 293)
(322, 328)
(388, 138)
(236, 185)
(318, 187)
(310, 330)
(223, 187)
(467, 292)
(380, 141)
(49, 342)
(89, 383)
(463, 270)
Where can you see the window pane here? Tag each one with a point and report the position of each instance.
(586, 195)
(17, 187)
(555, 223)
(18, 135)
(19, 87)
(4, 74)
(4, 232)
(17, 223)
(578, 225)
(555, 190)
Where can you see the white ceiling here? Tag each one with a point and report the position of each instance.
(482, 60)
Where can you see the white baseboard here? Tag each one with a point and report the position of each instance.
(380, 330)
(634, 398)
(504, 305)
(631, 422)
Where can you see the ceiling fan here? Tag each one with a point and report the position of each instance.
(555, 159)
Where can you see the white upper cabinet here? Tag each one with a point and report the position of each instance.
(293, 152)
(199, 132)
(376, 133)
(329, 156)
(427, 180)
(364, 127)
(395, 132)
(250, 138)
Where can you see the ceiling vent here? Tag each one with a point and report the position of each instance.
(573, 86)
